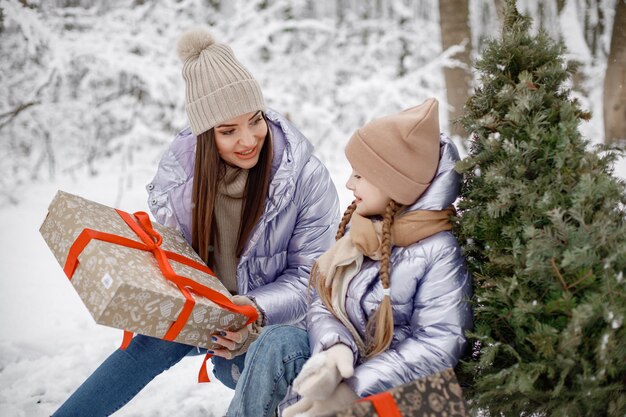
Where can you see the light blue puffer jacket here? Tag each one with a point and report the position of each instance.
(430, 290)
(298, 223)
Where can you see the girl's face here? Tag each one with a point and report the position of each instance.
(239, 140)
(370, 200)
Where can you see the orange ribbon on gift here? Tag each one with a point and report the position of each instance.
(384, 404)
(151, 242)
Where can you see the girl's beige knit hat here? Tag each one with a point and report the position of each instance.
(217, 86)
(399, 153)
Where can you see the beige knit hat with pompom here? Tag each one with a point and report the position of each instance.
(217, 86)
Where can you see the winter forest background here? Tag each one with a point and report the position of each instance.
(91, 95)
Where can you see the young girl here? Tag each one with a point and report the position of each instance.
(391, 300)
(245, 190)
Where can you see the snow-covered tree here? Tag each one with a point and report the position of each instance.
(85, 80)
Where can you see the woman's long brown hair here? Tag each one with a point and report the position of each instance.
(379, 329)
(208, 171)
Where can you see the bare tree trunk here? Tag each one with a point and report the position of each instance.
(404, 49)
(614, 80)
(500, 10)
(454, 22)
(594, 26)
(341, 11)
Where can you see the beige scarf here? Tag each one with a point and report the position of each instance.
(337, 266)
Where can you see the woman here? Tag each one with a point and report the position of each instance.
(245, 190)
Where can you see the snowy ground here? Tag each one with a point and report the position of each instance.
(48, 342)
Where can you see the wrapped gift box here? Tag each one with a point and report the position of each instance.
(437, 395)
(125, 287)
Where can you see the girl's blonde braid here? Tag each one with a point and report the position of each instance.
(347, 215)
(380, 324)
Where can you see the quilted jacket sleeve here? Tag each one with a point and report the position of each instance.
(285, 299)
(325, 330)
(172, 182)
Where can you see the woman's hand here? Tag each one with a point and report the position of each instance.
(237, 342)
(233, 342)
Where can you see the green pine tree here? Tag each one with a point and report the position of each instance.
(542, 223)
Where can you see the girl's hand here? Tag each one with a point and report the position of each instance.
(342, 397)
(321, 374)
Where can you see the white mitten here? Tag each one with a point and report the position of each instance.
(341, 398)
(321, 374)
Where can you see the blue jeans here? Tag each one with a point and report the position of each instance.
(272, 363)
(260, 379)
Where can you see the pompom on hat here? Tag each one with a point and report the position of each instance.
(399, 153)
(217, 86)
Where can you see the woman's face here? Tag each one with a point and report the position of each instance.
(239, 140)
(370, 200)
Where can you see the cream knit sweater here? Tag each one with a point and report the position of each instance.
(228, 211)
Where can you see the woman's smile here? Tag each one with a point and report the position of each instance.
(247, 154)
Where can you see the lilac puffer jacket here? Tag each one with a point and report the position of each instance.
(298, 223)
(430, 290)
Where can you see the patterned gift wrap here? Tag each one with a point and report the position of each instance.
(125, 287)
(437, 395)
